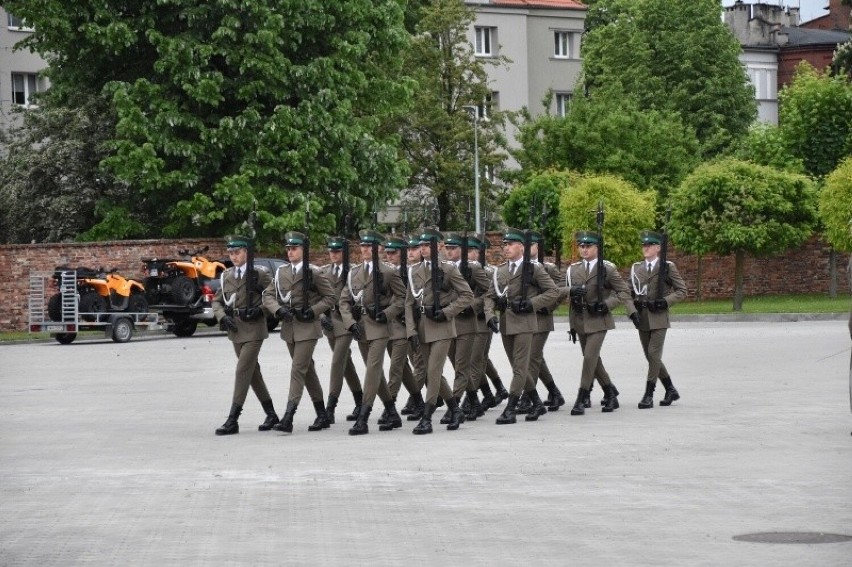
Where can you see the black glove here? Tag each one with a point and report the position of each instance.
(327, 323)
(543, 311)
(500, 303)
(494, 324)
(305, 315)
(635, 318)
(661, 304)
(251, 314)
(573, 335)
(520, 306)
(356, 331)
(439, 316)
(578, 291)
(284, 314)
(226, 323)
(599, 308)
(381, 317)
(414, 341)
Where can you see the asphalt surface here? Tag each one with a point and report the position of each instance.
(107, 456)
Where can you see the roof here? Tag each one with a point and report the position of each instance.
(805, 36)
(540, 4)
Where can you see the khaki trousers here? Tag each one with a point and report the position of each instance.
(461, 356)
(434, 356)
(652, 346)
(593, 368)
(518, 349)
(373, 353)
(341, 366)
(302, 372)
(399, 372)
(248, 373)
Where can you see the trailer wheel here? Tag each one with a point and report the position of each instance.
(65, 338)
(122, 330)
(54, 307)
(185, 328)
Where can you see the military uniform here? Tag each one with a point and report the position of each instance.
(653, 320)
(436, 327)
(245, 322)
(518, 321)
(340, 340)
(299, 311)
(367, 312)
(590, 317)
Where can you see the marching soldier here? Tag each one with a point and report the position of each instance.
(372, 297)
(418, 365)
(590, 315)
(652, 298)
(237, 307)
(298, 294)
(516, 296)
(437, 293)
(339, 338)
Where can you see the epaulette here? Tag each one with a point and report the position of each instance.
(577, 263)
(473, 262)
(608, 263)
(262, 268)
(388, 264)
(325, 266)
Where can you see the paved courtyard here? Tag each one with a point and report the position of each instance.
(107, 456)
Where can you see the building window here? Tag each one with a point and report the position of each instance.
(489, 105)
(562, 100)
(24, 86)
(485, 41)
(16, 23)
(562, 44)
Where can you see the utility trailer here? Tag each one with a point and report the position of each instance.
(69, 320)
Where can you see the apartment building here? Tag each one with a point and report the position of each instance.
(20, 70)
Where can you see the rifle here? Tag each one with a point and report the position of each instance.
(344, 272)
(601, 280)
(435, 270)
(526, 266)
(403, 254)
(377, 275)
(463, 265)
(664, 249)
(251, 277)
(306, 261)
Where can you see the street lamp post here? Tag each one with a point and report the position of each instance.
(475, 112)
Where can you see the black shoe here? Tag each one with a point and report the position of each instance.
(392, 420)
(321, 422)
(359, 398)
(408, 407)
(647, 401)
(488, 399)
(457, 415)
(508, 415)
(500, 394)
(612, 399)
(556, 399)
(474, 407)
(271, 416)
(671, 392)
(286, 423)
(231, 427)
(579, 407)
(524, 404)
(384, 417)
(360, 427)
(418, 409)
(330, 407)
(605, 399)
(537, 409)
(425, 425)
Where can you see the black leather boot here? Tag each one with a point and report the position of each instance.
(456, 414)
(425, 425)
(524, 404)
(231, 427)
(556, 399)
(321, 422)
(286, 423)
(579, 407)
(271, 416)
(330, 407)
(465, 405)
(392, 419)
(605, 399)
(647, 400)
(488, 399)
(474, 407)
(408, 407)
(360, 427)
(611, 397)
(508, 415)
(448, 416)
(500, 392)
(537, 408)
(419, 408)
(359, 399)
(384, 417)
(671, 392)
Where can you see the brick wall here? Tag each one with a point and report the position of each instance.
(804, 270)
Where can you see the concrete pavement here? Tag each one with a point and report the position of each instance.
(107, 456)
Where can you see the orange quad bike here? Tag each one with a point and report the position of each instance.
(180, 282)
(101, 291)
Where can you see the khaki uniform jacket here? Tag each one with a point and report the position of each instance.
(468, 321)
(615, 291)
(399, 325)
(337, 283)
(646, 288)
(542, 292)
(455, 296)
(236, 291)
(391, 300)
(286, 290)
(545, 320)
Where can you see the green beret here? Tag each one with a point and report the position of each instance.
(587, 237)
(294, 238)
(413, 241)
(473, 241)
(237, 241)
(394, 243)
(453, 239)
(429, 234)
(369, 236)
(513, 235)
(650, 237)
(535, 236)
(334, 242)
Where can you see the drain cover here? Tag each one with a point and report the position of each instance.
(793, 537)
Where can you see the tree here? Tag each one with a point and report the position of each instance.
(627, 211)
(835, 206)
(736, 207)
(765, 145)
(815, 117)
(224, 106)
(438, 133)
(675, 56)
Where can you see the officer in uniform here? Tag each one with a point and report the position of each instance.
(513, 315)
(299, 310)
(653, 307)
(339, 338)
(434, 320)
(367, 313)
(591, 317)
(462, 351)
(239, 312)
(415, 409)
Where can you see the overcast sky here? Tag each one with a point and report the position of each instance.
(810, 8)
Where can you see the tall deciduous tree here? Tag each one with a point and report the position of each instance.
(835, 206)
(672, 55)
(736, 207)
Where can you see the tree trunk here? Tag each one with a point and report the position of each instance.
(832, 273)
(739, 267)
